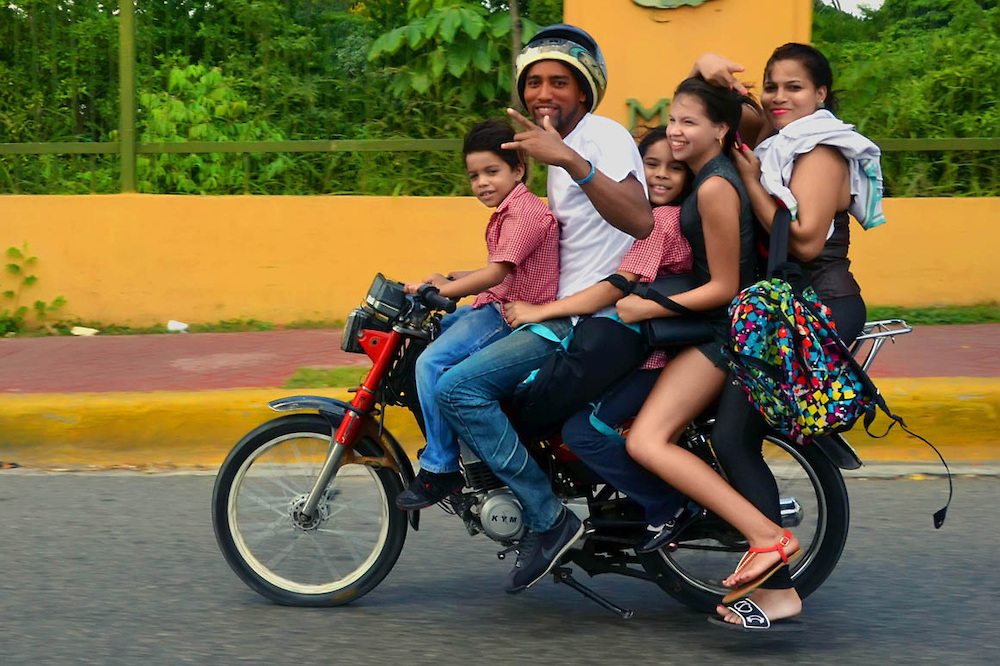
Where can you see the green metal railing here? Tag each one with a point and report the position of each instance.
(128, 148)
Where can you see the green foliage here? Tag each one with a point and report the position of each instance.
(452, 52)
(984, 313)
(921, 69)
(200, 104)
(14, 316)
(243, 69)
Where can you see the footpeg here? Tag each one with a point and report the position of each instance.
(565, 576)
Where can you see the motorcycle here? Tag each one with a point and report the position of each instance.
(304, 505)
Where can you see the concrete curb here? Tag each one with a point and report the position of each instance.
(961, 416)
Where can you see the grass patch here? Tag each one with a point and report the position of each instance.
(938, 315)
(342, 377)
(983, 313)
(224, 326)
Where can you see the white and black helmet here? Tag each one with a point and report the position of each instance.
(572, 46)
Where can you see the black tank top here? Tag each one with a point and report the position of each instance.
(720, 165)
(830, 272)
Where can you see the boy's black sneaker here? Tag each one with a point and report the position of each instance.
(428, 489)
(660, 535)
(539, 552)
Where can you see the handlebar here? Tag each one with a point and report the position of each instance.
(428, 294)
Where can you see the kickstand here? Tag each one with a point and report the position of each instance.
(565, 576)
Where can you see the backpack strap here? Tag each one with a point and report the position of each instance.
(669, 304)
(872, 390)
(778, 264)
(777, 251)
(619, 282)
(940, 514)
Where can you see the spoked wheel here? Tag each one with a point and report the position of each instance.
(814, 506)
(337, 554)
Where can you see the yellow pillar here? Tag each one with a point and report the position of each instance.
(649, 50)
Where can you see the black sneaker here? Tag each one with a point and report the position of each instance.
(428, 489)
(661, 535)
(537, 553)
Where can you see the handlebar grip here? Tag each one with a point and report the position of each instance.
(428, 293)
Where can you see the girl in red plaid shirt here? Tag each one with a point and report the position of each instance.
(522, 242)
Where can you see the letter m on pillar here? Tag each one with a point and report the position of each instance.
(655, 116)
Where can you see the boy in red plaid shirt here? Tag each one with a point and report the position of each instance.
(522, 241)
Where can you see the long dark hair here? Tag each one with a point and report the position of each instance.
(655, 135)
(816, 64)
(722, 105)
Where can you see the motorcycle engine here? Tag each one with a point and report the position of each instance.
(500, 516)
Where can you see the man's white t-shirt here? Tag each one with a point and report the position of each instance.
(590, 249)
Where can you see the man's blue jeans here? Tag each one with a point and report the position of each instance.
(469, 397)
(463, 332)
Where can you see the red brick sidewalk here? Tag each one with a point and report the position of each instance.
(193, 362)
(168, 362)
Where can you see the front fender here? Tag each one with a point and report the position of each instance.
(333, 410)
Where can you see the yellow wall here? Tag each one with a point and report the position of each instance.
(650, 51)
(143, 259)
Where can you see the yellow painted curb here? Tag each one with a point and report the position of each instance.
(155, 428)
(959, 415)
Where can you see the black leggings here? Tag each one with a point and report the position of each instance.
(738, 434)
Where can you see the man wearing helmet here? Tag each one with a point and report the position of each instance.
(596, 189)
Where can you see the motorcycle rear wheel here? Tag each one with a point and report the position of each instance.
(348, 546)
(692, 573)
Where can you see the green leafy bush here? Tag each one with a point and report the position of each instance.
(14, 316)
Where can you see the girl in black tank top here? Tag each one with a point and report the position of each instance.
(717, 221)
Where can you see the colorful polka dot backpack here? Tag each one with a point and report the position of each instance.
(784, 351)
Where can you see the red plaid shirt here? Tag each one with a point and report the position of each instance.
(524, 232)
(664, 252)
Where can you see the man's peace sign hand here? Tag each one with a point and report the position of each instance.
(541, 143)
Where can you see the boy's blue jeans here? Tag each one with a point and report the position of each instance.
(469, 397)
(463, 332)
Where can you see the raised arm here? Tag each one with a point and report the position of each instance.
(718, 71)
(623, 204)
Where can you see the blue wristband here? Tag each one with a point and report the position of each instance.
(590, 176)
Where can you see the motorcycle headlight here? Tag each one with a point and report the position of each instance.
(360, 320)
(386, 297)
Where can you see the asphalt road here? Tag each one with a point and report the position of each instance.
(124, 569)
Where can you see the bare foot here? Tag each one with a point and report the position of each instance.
(756, 564)
(776, 604)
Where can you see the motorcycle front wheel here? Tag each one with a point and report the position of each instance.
(814, 506)
(341, 552)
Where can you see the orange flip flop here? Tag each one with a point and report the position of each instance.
(747, 588)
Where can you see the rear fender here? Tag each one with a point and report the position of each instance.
(838, 451)
(333, 410)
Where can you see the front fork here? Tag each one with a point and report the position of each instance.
(381, 348)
